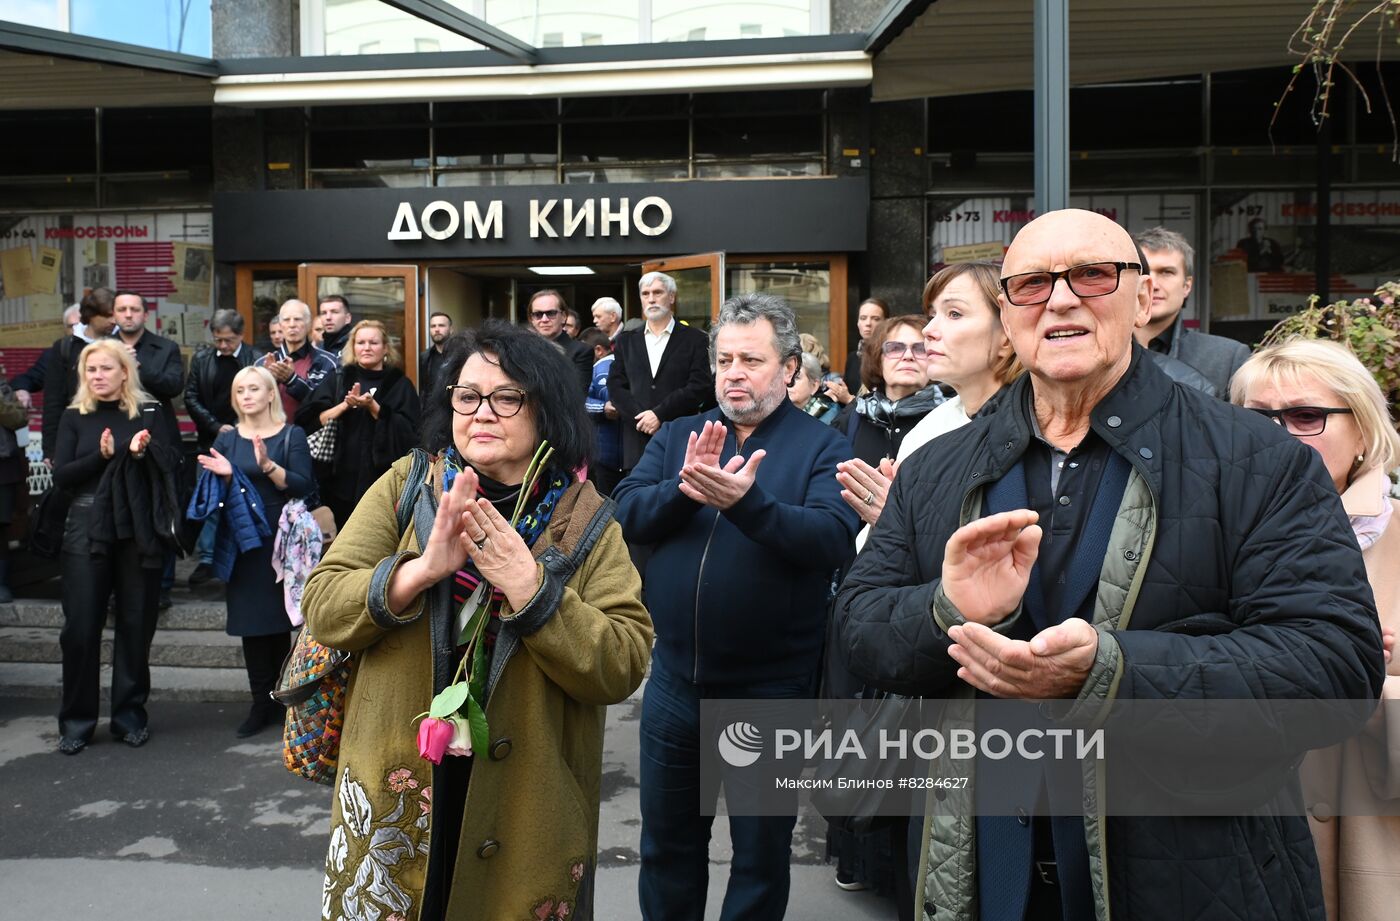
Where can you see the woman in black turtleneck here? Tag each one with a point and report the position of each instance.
(379, 415)
(103, 422)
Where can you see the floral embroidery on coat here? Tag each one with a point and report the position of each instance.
(563, 908)
(369, 852)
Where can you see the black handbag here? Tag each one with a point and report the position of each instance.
(47, 522)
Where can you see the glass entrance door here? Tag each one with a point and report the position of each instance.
(388, 293)
(699, 285)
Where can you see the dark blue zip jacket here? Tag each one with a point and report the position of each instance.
(242, 524)
(740, 596)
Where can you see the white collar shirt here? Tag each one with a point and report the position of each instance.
(656, 344)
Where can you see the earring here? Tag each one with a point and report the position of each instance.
(1360, 459)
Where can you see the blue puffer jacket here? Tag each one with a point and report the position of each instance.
(242, 524)
(740, 596)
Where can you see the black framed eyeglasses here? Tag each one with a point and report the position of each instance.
(1092, 279)
(544, 314)
(505, 401)
(1302, 420)
(893, 348)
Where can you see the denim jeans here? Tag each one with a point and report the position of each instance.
(675, 833)
(204, 547)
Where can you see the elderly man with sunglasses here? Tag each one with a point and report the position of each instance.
(1109, 536)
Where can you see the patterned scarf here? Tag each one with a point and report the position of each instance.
(884, 412)
(545, 496)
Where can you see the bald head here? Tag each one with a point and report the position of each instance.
(1081, 236)
(1079, 341)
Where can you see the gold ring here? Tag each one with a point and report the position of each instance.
(870, 498)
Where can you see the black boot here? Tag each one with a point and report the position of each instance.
(255, 722)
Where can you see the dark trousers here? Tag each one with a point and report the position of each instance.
(676, 836)
(88, 582)
(263, 656)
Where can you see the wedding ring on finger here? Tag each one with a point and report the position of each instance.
(870, 498)
(481, 543)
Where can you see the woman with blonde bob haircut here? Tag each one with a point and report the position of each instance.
(273, 457)
(129, 397)
(1322, 395)
(101, 425)
(375, 409)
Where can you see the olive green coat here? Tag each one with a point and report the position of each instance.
(530, 827)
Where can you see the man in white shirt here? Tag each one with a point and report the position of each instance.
(661, 371)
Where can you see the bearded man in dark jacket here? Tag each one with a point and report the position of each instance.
(1220, 566)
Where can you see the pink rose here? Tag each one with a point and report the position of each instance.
(434, 735)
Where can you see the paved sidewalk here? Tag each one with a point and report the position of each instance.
(199, 824)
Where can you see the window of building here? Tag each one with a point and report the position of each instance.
(183, 27)
(349, 26)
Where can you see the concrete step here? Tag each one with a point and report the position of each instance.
(182, 615)
(182, 648)
(45, 680)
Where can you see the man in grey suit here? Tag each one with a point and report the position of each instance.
(1173, 262)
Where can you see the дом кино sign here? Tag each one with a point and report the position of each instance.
(550, 217)
(575, 220)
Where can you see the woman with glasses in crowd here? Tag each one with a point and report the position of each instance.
(104, 425)
(1322, 395)
(894, 372)
(378, 415)
(510, 830)
(272, 456)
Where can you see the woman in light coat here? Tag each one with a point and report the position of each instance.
(1325, 397)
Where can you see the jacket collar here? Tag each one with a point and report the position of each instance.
(1124, 419)
(1366, 496)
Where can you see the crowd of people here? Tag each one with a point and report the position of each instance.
(1040, 486)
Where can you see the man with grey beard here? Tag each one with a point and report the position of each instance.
(659, 372)
(742, 506)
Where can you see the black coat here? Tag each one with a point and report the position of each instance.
(582, 357)
(161, 370)
(1253, 588)
(365, 447)
(684, 384)
(60, 384)
(200, 386)
(138, 501)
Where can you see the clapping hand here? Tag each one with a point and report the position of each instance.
(1052, 665)
(865, 488)
(987, 565)
(215, 463)
(139, 442)
(107, 444)
(281, 370)
(260, 454)
(353, 399)
(1388, 643)
(468, 526)
(702, 477)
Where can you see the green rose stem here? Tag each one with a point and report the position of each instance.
(451, 699)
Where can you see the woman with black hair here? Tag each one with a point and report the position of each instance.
(503, 527)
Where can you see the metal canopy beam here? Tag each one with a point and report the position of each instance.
(31, 40)
(1051, 105)
(892, 21)
(440, 13)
